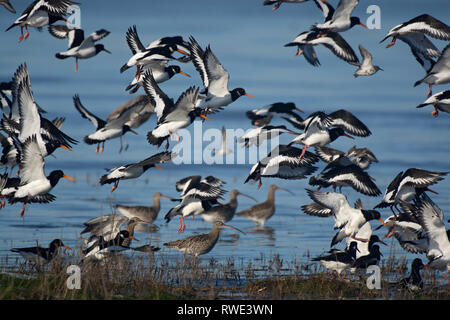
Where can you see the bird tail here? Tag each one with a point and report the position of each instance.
(123, 68)
(156, 141)
(172, 213)
(104, 179)
(417, 83)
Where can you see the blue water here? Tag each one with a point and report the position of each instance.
(248, 39)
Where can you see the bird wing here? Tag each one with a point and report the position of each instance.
(344, 9)
(337, 45)
(96, 121)
(30, 120)
(316, 209)
(366, 56)
(197, 56)
(331, 200)
(93, 37)
(310, 55)
(326, 8)
(32, 163)
(328, 154)
(154, 159)
(428, 25)
(217, 75)
(163, 105)
(349, 123)
(133, 40)
(54, 6)
(420, 178)
(75, 36)
(186, 102)
(420, 43)
(443, 62)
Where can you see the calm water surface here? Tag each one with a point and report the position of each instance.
(248, 39)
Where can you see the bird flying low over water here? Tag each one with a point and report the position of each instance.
(338, 20)
(262, 116)
(135, 170)
(348, 219)
(41, 13)
(330, 39)
(105, 130)
(366, 68)
(79, 46)
(215, 79)
(171, 116)
(440, 101)
(362, 157)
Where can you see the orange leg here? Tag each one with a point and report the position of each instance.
(23, 208)
(435, 112)
(430, 92)
(303, 153)
(21, 34)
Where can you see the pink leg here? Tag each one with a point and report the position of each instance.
(430, 92)
(303, 153)
(435, 112)
(276, 6)
(26, 33)
(21, 34)
(23, 208)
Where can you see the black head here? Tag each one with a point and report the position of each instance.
(57, 243)
(371, 214)
(375, 251)
(126, 128)
(52, 18)
(336, 133)
(99, 48)
(353, 247)
(172, 70)
(354, 21)
(238, 92)
(375, 239)
(417, 264)
(55, 175)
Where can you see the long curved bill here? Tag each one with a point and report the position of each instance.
(246, 195)
(288, 191)
(249, 95)
(64, 147)
(70, 178)
(184, 74)
(230, 227)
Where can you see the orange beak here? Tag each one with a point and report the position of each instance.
(204, 117)
(249, 95)
(182, 51)
(70, 178)
(299, 110)
(363, 25)
(384, 224)
(131, 237)
(184, 74)
(64, 147)
(158, 167)
(66, 247)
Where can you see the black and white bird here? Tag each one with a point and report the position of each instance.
(331, 40)
(102, 248)
(41, 13)
(340, 175)
(38, 255)
(262, 116)
(440, 101)
(278, 3)
(8, 5)
(439, 73)
(197, 196)
(408, 185)
(258, 135)
(414, 281)
(79, 47)
(322, 128)
(431, 219)
(373, 258)
(104, 130)
(338, 260)
(341, 19)
(135, 170)
(365, 232)
(414, 32)
(366, 68)
(347, 219)
(362, 157)
(171, 116)
(215, 79)
(282, 162)
(159, 67)
(137, 110)
(156, 52)
(33, 186)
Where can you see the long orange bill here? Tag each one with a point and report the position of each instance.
(299, 110)
(249, 95)
(363, 25)
(182, 51)
(204, 117)
(64, 147)
(158, 167)
(184, 74)
(70, 178)
(131, 237)
(66, 247)
(384, 224)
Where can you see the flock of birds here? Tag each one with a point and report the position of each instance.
(28, 137)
